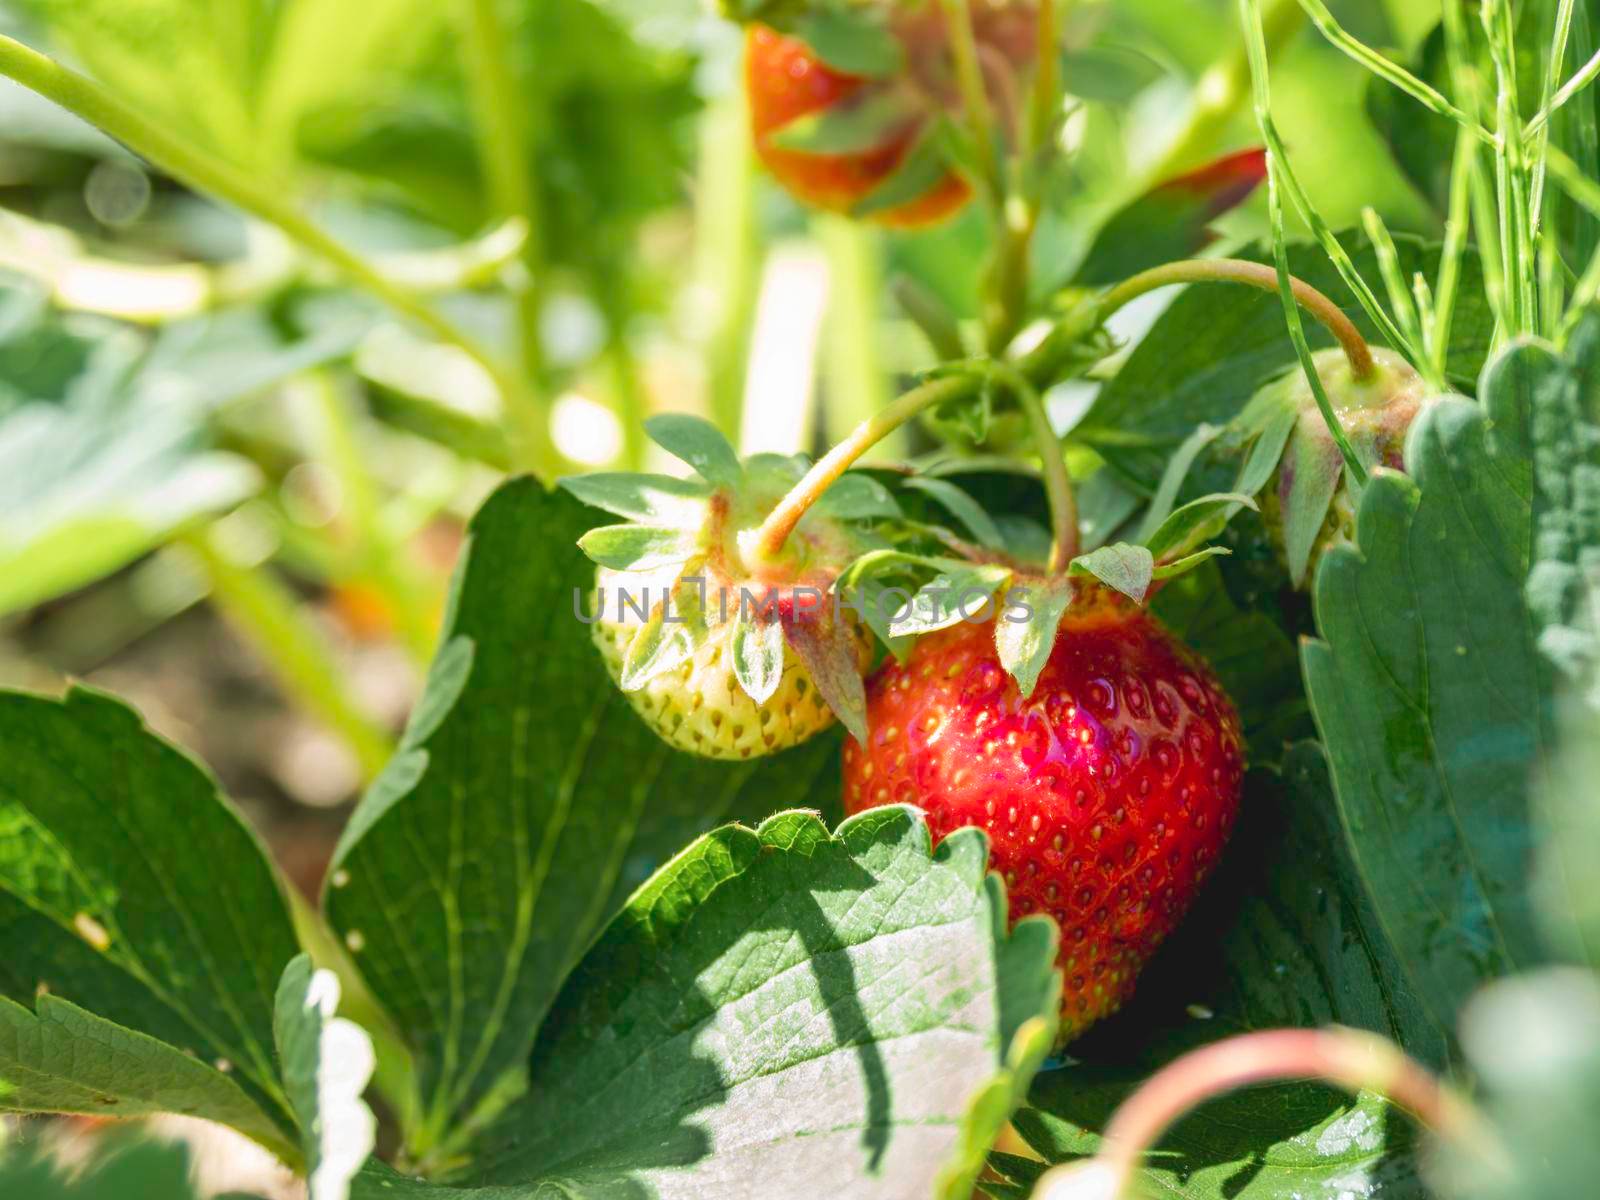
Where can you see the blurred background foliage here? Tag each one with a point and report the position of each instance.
(233, 480)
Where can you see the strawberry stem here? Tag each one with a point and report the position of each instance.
(780, 523)
(1347, 1058)
(1053, 465)
(1040, 367)
(974, 96)
(1256, 275)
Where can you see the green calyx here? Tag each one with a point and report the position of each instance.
(1025, 601)
(1294, 463)
(700, 632)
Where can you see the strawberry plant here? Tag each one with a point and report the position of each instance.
(890, 598)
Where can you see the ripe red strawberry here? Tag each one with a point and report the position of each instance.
(1107, 794)
(786, 81)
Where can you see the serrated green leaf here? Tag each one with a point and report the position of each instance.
(961, 506)
(563, 800)
(648, 499)
(1284, 935)
(111, 846)
(1024, 645)
(1430, 693)
(757, 656)
(59, 1058)
(817, 1010)
(327, 1063)
(854, 39)
(637, 547)
(866, 122)
(1564, 582)
(1128, 569)
(1196, 522)
(700, 444)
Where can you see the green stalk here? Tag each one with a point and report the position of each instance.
(1249, 274)
(1538, 139)
(1053, 466)
(1457, 229)
(1297, 332)
(1278, 169)
(974, 96)
(1584, 77)
(499, 105)
(728, 253)
(215, 177)
(1017, 216)
(1513, 177)
(1255, 41)
(1045, 99)
(1401, 298)
(266, 612)
(1391, 72)
(780, 523)
(857, 384)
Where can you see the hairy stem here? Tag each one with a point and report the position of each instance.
(974, 95)
(1053, 466)
(1347, 1058)
(780, 523)
(1261, 277)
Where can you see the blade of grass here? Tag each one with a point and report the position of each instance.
(1255, 41)
(1585, 75)
(1537, 139)
(1401, 299)
(1457, 229)
(1391, 72)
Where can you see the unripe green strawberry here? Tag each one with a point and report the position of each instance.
(1107, 793)
(1306, 503)
(699, 704)
(724, 653)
